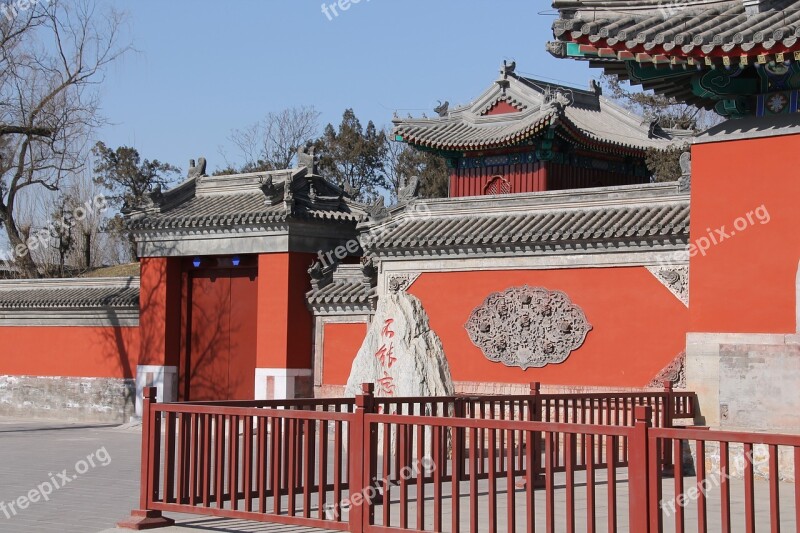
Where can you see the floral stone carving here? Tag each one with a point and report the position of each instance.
(528, 327)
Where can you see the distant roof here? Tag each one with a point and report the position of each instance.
(533, 106)
(637, 215)
(679, 37)
(253, 199)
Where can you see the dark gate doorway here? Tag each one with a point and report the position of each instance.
(218, 355)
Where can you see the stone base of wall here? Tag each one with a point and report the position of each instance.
(745, 381)
(71, 399)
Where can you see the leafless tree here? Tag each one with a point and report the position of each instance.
(271, 143)
(404, 161)
(51, 58)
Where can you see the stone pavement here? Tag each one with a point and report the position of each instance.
(37, 452)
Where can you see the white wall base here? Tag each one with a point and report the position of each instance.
(722, 381)
(164, 378)
(279, 383)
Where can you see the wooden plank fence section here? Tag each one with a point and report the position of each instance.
(537, 462)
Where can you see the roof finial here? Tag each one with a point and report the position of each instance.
(197, 170)
(442, 108)
(508, 68)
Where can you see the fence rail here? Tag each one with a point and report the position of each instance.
(453, 464)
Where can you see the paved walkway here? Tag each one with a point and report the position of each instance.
(89, 477)
(92, 498)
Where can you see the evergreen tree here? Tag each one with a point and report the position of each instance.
(354, 157)
(128, 179)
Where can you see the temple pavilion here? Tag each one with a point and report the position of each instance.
(527, 135)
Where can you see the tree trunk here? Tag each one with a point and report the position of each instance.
(87, 251)
(23, 260)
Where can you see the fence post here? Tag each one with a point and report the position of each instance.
(459, 443)
(142, 518)
(360, 461)
(669, 410)
(638, 473)
(536, 416)
(669, 404)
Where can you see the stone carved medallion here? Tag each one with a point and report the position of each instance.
(528, 327)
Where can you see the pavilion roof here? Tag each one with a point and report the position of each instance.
(678, 37)
(585, 116)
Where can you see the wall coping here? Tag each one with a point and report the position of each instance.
(87, 302)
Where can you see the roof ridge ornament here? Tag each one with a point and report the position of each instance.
(307, 158)
(369, 271)
(508, 69)
(321, 274)
(505, 71)
(443, 109)
(409, 189)
(558, 97)
(197, 170)
(377, 211)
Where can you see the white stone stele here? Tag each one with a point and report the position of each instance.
(164, 378)
(420, 369)
(284, 382)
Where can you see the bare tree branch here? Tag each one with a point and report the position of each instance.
(51, 57)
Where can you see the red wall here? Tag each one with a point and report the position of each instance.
(561, 176)
(341, 343)
(285, 324)
(160, 311)
(746, 283)
(91, 352)
(535, 177)
(638, 325)
(524, 177)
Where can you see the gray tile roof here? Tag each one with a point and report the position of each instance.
(345, 285)
(751, 128)
(651, 31)
(89, 293)
(246, 200)
(590, 118)
(348, 291)
(697, 27)
(630, 214)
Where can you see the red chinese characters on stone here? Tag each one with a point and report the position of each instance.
(385, 355)
(387, 331)
(386, 385)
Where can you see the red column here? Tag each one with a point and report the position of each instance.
(160, 311)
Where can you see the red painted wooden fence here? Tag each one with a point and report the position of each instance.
(446, 464)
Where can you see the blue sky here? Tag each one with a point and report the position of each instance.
(203, 68)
